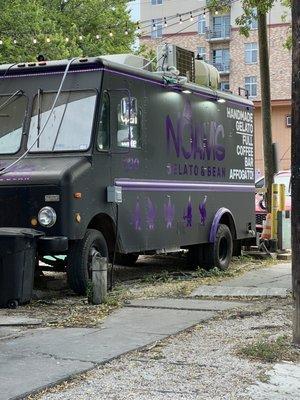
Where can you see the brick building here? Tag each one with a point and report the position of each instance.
(217, 38)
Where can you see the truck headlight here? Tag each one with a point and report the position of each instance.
(47, 217)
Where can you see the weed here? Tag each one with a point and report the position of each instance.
(270, 350)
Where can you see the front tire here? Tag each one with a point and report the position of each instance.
(219, 253)
(79, 259)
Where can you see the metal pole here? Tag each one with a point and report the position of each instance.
(99, 280)
(296, 167)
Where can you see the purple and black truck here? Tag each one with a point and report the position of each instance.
(106, 157)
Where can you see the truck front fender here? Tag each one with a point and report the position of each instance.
(223, 215)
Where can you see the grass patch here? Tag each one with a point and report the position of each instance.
(271, 350)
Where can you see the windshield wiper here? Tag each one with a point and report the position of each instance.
(12, 97)
(40, 96)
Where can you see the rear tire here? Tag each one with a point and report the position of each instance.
(79, 259)
(219, 253)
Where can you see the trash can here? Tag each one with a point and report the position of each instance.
(17, 264)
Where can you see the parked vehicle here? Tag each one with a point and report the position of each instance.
(282, 177)
(106, 157)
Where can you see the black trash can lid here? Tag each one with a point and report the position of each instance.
(20, 232)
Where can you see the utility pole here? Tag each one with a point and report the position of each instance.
(296, 167)
(266, 104)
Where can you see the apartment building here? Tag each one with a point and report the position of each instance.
(218, 40)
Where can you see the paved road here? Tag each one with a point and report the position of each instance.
(43, 357)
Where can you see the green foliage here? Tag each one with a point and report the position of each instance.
(270, 350)
(64, 22)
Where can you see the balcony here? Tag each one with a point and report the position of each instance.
(222, 67)
(219, 34)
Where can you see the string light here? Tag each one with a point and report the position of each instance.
(138, 26)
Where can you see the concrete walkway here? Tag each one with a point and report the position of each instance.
(42, 357)
(267, 282)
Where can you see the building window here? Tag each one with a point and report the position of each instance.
(201, 52)
(201, 24)
(288, 121)
(157, 29)
(224, 86)
(220, 27)
(251, 85)
(253, 24)
(156, 2)
(221, 60)
(251, 53)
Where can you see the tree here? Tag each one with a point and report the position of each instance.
(295, 168)
(259, 9)
(63, 28)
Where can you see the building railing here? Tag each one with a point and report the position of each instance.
(219, 33)
(222, 67)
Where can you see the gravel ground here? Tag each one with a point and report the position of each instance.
(199, 364)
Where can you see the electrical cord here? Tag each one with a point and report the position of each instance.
(115, 249)
(44, 126)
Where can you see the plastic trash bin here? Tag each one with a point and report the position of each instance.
(17, 264)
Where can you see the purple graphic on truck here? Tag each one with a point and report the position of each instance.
(194, 140)
(188, 214)
(202, 210)
(137, 216)
(150, 215)
(169, 211)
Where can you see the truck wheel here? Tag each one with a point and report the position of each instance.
(128, 260)
(219, 253)
(79, 259)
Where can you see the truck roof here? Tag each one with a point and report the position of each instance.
(95, 63)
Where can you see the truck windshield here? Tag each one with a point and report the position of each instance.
(70, 125)
(12, 114)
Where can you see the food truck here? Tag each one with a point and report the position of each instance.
(107, 157)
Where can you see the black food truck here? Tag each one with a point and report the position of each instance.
(106, 158)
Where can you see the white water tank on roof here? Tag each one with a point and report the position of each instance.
(206, 74)
(130, 60)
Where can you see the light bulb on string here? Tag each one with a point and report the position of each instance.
(126, 31)
(67, 39)
(180, 19)
(111, 34)
(165, 23)
(34, 41)
(1, 41)
(191, 16)
(153, 25)
(48, 40)
(80, 37)
(15, 41)
(97, 37)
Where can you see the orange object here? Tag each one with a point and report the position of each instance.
(78, 195)
(267, 228)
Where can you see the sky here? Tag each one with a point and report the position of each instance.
(135, 9)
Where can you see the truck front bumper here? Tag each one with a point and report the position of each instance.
(48, 245)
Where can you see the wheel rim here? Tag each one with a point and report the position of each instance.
(223, 249)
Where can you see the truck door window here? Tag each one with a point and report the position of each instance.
(12, 116)
(128, 134)
(103, 130)
(70, 125)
